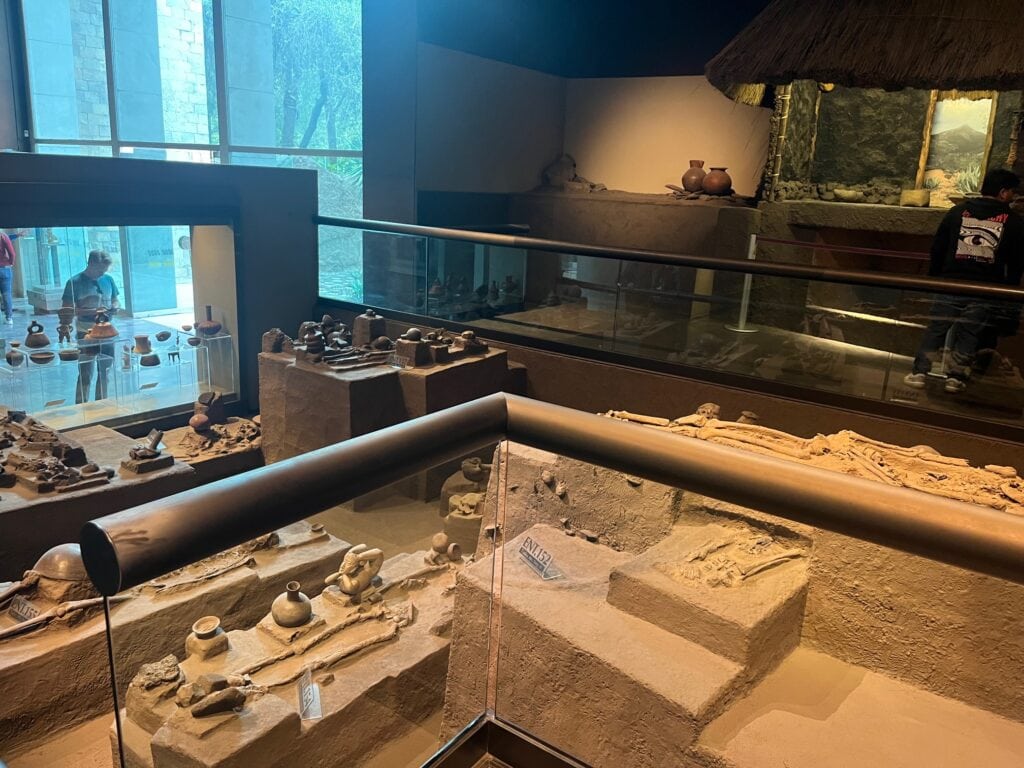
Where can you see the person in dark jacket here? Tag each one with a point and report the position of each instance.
(982, 241)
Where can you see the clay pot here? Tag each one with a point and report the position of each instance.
(186, 327)
(163, 335)
(206, 639)
(15, 356)
(717, 182)
(209, 326)
(102, 328)
(200, 422)
(194, 341)
(41, 358)
(68, 354)
(36, 338)
(150, 361)
(142, 344)
(291, 608)
(694, 176)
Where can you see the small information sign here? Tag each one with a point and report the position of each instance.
(22, 610)
(396, 360)
(539, 559)
(309, 698)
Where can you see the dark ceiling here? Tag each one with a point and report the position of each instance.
(589, 38)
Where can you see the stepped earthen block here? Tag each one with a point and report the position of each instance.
(561, 642)
(735, 589)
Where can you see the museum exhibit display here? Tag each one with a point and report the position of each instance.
(372, 380)
(116, 356)
(52, 639)
(672, 610)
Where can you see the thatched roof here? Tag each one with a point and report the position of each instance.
(892, 44)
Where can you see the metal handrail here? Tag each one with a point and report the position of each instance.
(130, 547)
(771, 269)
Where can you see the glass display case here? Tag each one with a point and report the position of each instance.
(49, 385)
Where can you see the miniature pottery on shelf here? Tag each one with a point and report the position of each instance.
(142, 344)
(102, 328)
(194, 341)
(717, 182)
(291, 608)
(150, 361)
(694, 176)
(68, 354)
(15, 356)
(41, 358)
(163, 335)
(209, 326)
(36, 338)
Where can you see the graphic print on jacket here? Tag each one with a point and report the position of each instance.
(979, 238)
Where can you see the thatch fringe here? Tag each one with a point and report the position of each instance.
(968, 45)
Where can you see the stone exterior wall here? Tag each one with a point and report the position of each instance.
(867, 134)
(90, 69)
(183, 71)
(182, 51)
(800, 129)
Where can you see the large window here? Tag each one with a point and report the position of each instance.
(251, 82)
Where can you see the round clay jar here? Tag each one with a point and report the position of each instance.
(199, 422)
(694, 176)
(717, 182)
(291, 608)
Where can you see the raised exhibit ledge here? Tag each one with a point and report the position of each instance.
(815, 711)
(130, 547)
(862, 216)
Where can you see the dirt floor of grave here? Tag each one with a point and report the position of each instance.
(396, 524)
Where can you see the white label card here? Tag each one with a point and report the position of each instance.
(309, 698)
(539, 559)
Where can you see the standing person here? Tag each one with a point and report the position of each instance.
(89, 290)
(7, 258)
(980, 240)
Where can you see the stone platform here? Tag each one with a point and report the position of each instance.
(426, 390)
(61, 673)
(305, 407)
(31, 523)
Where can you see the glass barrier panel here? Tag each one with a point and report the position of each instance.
(145, 326)
(951, 354)
(326, 642)
(647, 625)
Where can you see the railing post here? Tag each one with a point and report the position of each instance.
(741, 323)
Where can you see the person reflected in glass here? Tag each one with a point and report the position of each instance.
(88, 291)
(7, 259)
(980, 240)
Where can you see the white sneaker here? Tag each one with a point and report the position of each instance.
(9, 321)
(954, 385)
(915, 380)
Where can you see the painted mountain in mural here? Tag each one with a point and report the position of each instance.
(956, 148)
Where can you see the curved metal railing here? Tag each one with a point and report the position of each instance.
(130, 547)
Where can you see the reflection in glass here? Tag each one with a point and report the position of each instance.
(294, 73)
(67, 70)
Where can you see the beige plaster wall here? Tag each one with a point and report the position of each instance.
(482, 125)
(638, 134)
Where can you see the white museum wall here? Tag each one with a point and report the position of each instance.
(638, 134)
(482, 125)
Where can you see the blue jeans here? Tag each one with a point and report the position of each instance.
(6, 278)
(89, 364)
(971, 321)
